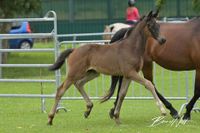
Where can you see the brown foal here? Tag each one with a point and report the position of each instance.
(123, 58)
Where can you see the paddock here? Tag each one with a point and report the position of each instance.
(166, 81)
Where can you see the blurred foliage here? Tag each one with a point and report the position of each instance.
(196, 5)
(11, 8)
(159, 3)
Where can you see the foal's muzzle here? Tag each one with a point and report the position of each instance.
(161, 40)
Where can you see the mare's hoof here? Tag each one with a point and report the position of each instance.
(111, 113)
(186, 117)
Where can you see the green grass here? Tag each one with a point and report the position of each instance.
(24, 115)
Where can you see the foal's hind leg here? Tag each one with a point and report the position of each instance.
(120, 78)
(120, 98)
(79, 85)
(60, 91)
(196, 96)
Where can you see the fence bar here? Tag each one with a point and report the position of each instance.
(26, 19)
(85, 34)
(25, 65)
(29, 35)
(85, 41)
(80, 98)
(27, 80)
(27, 50)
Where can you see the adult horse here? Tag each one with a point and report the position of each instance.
(120, 58)
(180, 52)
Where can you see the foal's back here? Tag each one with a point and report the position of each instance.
(101, 58)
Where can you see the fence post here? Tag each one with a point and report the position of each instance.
(71, 10)
(0, 59)
(178, 8)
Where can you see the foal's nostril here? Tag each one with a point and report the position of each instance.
(163, 40)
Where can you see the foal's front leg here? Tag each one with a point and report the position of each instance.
(136, 77)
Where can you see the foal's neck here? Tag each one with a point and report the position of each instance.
(137, 39)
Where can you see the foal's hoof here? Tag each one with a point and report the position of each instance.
(186, 117)
(116, 118)
(49, 123)
(86, 114)
(118, 122)
(50, 120)
(111, 113)
(163, 113)
(175, 115)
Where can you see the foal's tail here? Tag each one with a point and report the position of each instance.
(61, 59)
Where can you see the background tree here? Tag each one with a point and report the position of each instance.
(195, 4)
(159, 4)
(14, 8)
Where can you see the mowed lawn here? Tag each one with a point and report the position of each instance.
(23, 115)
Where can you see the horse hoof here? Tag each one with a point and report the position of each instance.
(186, 117)
(175, 116)
(164, 114)
(86, 114)
(117, 121)
(111, 113)
(49, 124)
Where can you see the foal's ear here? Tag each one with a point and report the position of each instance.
(141, 18)
(156, 13)
(149, 16)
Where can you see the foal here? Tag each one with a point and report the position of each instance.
(121, 58)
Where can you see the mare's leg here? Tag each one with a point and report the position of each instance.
(194, 98)
(79, 85)
(148, 74)
(60, 91)
(120, 98)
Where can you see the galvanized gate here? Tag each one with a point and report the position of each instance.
(49, 17)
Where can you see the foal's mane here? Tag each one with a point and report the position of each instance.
(133, 27)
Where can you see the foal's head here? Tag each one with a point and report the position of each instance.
(152, 28)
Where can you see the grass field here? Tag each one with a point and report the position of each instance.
(24, 115)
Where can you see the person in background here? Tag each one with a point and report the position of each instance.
(132, 13)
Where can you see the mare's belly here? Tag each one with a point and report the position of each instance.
(173, 63)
